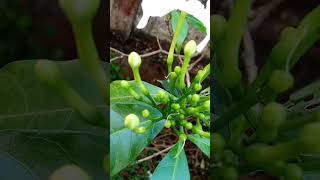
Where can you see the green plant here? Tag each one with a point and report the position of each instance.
(139, 110)
(280, 139)
(54, 114)
(18, 41)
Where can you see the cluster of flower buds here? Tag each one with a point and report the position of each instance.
(183, 108)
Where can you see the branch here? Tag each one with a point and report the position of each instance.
(154, 155)
(249, 57)
(196, 61)
(263, 13)
(159, 51)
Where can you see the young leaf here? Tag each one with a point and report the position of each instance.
(202, 143)
(172, 167)
(194, 22)
(184, 30)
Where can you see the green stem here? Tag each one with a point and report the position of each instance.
(143, 89)
(89, 57)
(87, 111)
(185, 95)
(180, 81)
(174, 40)
(175, 130)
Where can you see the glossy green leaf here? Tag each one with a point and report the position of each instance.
(194, 22)
(202, 143)
(166, 86)
(40, 131)
(183, 32)
(174, 166)
(125, 144)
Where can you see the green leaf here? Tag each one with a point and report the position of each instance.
(125, 144)
(173, 167)
(12, 169)
(165, 84)
(38, 129)
(202, 143)
(194, 22)
(183, 32)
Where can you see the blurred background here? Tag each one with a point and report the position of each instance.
(37, 29)
(266, 21)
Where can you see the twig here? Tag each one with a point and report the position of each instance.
(196, 61)
(154, 155)
(159, 45)
(249, 52)
(263, 13)
(249, 57)
(159, 51)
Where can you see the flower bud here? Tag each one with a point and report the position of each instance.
(182, 137)
(197, 130)
(131, 121)
(190, 48)
(188, 125)
(124, 84)
(177, 70)
(140, 130)
(167, 124)
(175, 106)
(134, 60)
(205, 134)
(172, 76)
(191, 110)
(198, 76)
(202, 116)
(309, 138)
(173, 123)
(69, 171)
(145, 113)
(162, 97)
(293, 172)
(195, 98)
(197, 87)
(183, 122)
(206, 105)
(280, 81)
(49, 73)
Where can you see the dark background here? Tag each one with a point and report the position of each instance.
(37, 29)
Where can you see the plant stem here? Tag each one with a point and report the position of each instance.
(89, 57)
(174, 40)
(155, 154)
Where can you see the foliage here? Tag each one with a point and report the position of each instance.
(53, 114)
(139, 110)
(280, 139)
